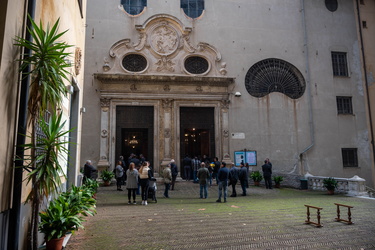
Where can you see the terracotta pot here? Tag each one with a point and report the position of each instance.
(256, 183)
(107, 183)
(277, 185)
(331, 192)
(55, 244)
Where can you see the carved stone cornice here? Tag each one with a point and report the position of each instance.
(171, 79)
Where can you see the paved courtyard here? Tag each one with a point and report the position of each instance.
(265, 219)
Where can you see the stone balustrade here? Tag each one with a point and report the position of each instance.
(354, 186)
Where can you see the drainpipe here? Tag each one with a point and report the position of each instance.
(15, 212)
(366, 80)
(307, 65)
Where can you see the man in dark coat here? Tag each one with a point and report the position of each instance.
(186, 162)
(267, 173)
(216, 169)
(242, 176)
(88, 171)
(233, 178)
(223, 176)
(174, 170)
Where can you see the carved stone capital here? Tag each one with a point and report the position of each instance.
(167, 103)
(104, 102)
(225, 103)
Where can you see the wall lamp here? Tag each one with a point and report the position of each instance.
(236, 94)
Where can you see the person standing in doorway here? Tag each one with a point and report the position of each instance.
(222, 177)
(267, 173)
(167, 177)
(119, 175)
(186, 162)
(203, 175)
(174, 171)
(195, 164)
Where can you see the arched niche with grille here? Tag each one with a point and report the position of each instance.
(274, 75)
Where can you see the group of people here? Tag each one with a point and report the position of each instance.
(224, 176)
(139, 173)
(136, 176)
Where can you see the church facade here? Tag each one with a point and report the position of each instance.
(240, 80)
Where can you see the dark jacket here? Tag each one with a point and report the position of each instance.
(174, 169)
(233, 174)
(186, 161)
(88, 170)
(203, 175)
(223, 174)
(267, 170)
(243, 174)
(217, 166)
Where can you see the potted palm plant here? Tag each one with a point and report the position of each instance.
(330, 184)
(107, 177)
(257, 177)
(277, 180)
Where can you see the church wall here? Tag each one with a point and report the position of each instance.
(246, 32)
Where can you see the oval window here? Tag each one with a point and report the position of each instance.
(134, 63)
(196, 65)
(331, 5)
(134, 7)
(192, 8)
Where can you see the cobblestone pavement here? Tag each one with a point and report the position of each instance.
(265, 219)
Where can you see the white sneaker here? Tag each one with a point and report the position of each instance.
(145, 203)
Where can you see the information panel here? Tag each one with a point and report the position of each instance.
(249, 157)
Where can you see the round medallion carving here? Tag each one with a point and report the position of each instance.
(164, 40)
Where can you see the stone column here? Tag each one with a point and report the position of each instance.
(104, 130)
(225, 130)
(166, 128)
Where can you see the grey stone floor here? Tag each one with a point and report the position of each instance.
(265, 219)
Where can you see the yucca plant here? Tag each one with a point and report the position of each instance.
(44, 168)
(47, 64)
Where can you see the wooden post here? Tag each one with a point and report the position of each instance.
(317, 215)
(349, 220)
